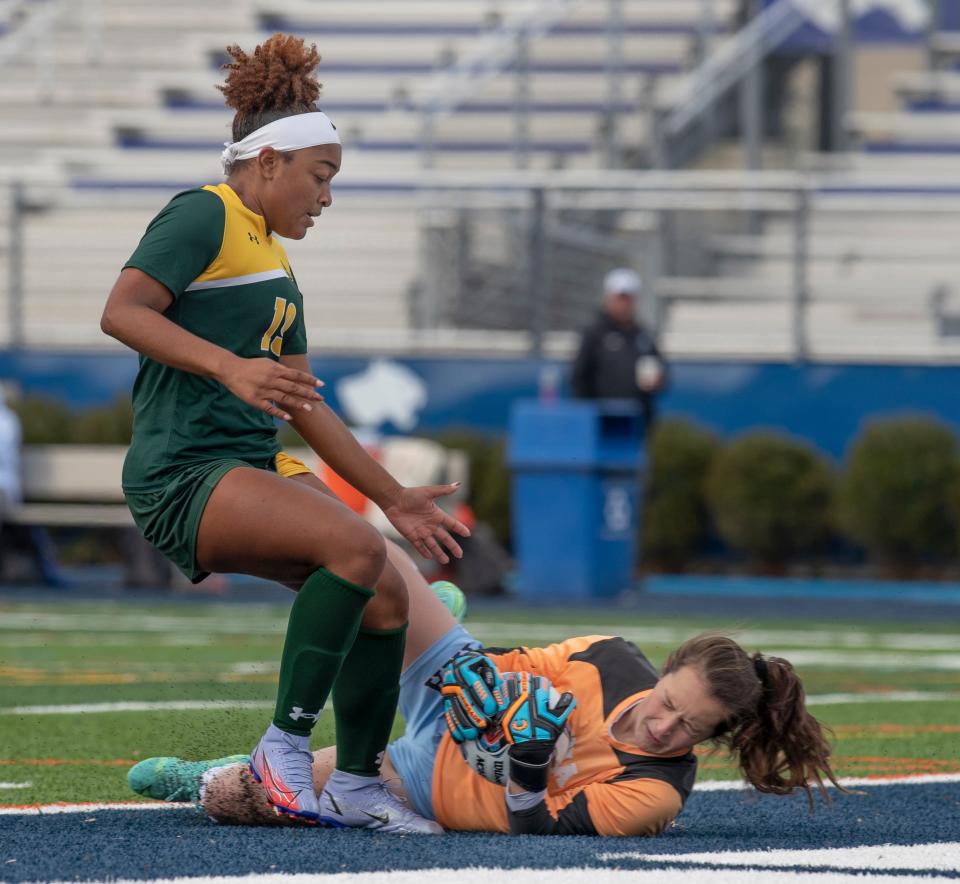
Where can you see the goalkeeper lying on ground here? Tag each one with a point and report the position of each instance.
(595, 743)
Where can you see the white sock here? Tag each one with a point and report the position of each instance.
(342, 781)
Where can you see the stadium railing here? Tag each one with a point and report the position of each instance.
(785, 265)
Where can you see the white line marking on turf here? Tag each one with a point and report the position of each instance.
(263, 620)
(942, 857)
(910, 780)
(880, 697)
(136, 706)
(763, 638)
(177, 705)
(26, 785)
(87, 807)
(552, 876)
(709, 786)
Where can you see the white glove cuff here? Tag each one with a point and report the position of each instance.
(524, 800)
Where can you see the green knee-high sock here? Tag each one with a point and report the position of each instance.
(365, 698)
(323, 625)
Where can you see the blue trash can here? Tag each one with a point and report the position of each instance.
(576, 475)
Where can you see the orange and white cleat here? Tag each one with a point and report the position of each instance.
(283, 764)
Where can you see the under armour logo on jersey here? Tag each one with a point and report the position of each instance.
(253, 237)
(298, 713)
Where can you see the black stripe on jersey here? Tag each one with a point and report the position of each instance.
(622, 668)
(679, 771)
(574, 819)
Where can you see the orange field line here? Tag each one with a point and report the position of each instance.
(52, 762)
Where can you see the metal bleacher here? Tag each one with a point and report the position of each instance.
(113, 108)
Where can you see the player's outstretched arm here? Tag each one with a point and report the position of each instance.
(412, 511)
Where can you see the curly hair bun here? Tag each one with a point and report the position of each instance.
(278, 76)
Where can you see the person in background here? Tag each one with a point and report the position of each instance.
(618, 358)
(31, 540)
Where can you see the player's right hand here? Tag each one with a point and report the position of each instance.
(473, 695)
(271, 386)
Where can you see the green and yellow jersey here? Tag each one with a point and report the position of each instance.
(232, 285)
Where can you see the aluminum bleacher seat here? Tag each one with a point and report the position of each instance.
(133, 117)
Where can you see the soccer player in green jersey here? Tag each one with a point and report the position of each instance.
(210, 303)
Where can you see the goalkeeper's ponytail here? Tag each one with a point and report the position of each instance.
(778, 744)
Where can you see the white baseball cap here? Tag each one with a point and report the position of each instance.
(622, 281)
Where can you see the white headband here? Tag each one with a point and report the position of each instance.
(288, 133)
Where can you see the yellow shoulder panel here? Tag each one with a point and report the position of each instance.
(247, 253)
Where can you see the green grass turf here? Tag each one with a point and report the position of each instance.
(64, 652)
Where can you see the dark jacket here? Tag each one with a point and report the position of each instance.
(606, 363)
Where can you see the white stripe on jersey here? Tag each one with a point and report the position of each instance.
(248, 279)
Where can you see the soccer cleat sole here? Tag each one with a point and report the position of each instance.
(280, 810)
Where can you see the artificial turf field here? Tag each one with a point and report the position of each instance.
(87, 689)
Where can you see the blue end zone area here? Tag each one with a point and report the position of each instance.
(141, 844)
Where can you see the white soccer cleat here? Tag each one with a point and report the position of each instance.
(373, 807)
(283, 764)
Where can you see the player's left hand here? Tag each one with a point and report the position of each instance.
(530, 716)
(415, 514)
(533, 722)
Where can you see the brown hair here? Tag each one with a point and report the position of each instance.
(779, 746)
(277, 81)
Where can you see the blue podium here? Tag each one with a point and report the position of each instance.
(576, 469)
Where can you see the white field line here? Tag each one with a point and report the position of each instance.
(190, 705)
(710, 786)
(120, 640)
(869, 659)
(554, 876)
(225, 622)
(881, 697)
(762, 638)
(910, 780)
(26, 785)
(136, 706)
(845, 659)
(265, 621)
(941, 857)
(86, 807)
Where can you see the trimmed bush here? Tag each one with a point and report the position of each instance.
(674, 520)
(46, 421)
(898, 493)
(771, 496)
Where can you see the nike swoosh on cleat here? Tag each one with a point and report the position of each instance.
(380, 818)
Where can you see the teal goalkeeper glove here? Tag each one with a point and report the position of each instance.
(535, 717)
(473, 695)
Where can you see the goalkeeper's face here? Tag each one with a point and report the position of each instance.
(677, 714)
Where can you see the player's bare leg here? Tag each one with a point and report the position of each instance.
(259, 523)
(429, 618)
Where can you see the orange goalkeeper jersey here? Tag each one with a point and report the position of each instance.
(601, 785)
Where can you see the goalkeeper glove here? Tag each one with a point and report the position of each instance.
(532, 724)
(473, 695)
